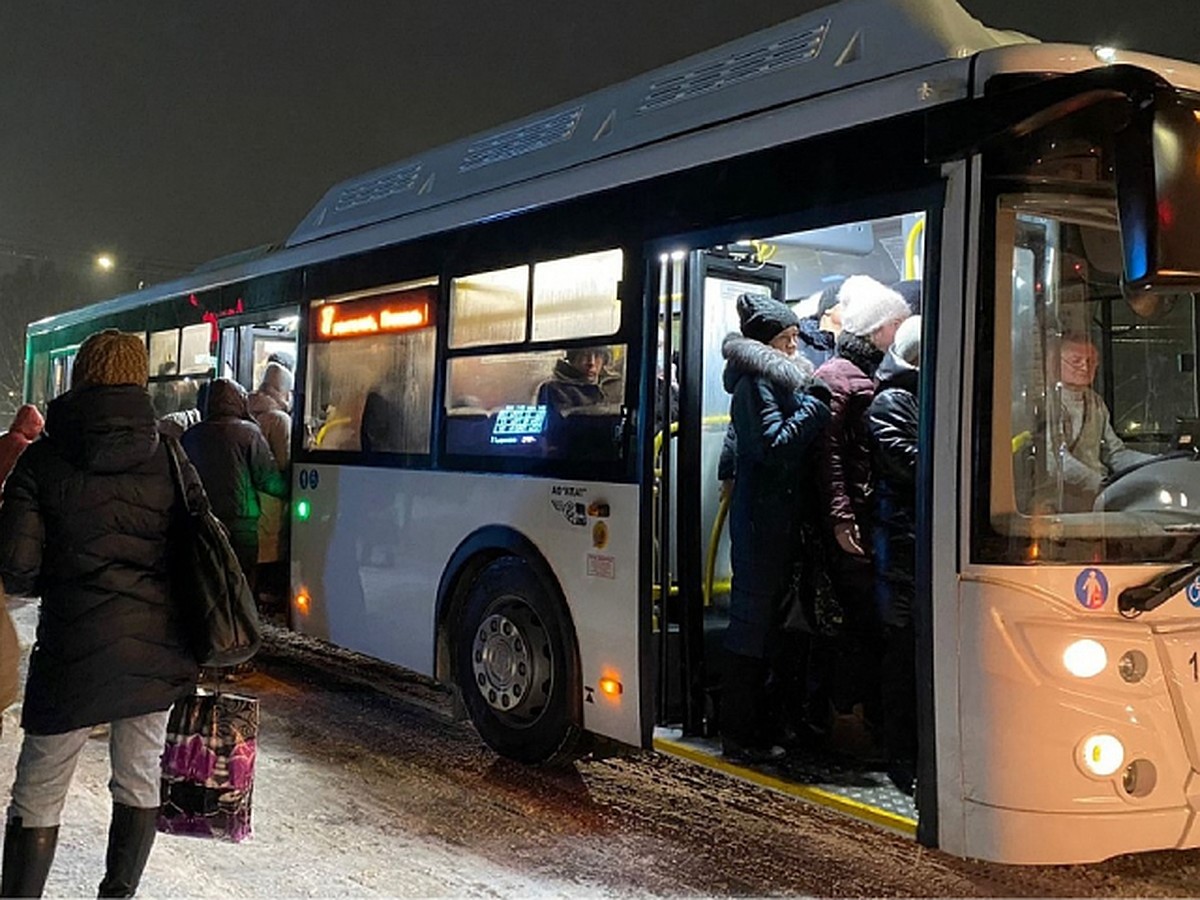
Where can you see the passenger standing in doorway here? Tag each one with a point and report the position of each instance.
(894, 417)
(235, 463)
(870, 315)
(271, 408)
(84, 524)
(778, 411)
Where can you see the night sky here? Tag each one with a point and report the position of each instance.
(171, 133)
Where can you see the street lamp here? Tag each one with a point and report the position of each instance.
(105, 262)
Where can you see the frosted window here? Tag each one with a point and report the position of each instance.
(373, 393)
(164, 352)
(489, 308)
(196, 357)
(577, 296)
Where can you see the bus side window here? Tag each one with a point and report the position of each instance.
(371, 390)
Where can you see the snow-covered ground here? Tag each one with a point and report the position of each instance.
(367, 786)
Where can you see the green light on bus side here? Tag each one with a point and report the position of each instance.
(303, 510)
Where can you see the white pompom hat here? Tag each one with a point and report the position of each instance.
(868, 305)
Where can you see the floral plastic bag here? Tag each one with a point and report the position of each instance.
(208, 766)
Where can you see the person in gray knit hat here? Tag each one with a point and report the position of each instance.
(84, 525)
(777, 411)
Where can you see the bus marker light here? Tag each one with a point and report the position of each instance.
(1103, 754)
(302, 602)
(611, 687)
(1085, 658)
(303, 510)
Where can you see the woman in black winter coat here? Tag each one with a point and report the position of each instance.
(84, 526)
(777, 412)
(893, 418)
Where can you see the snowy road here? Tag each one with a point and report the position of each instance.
(366, 787)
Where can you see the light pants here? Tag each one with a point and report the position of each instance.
(47, 763)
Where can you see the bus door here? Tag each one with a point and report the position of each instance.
(249, 343)
(697, 308)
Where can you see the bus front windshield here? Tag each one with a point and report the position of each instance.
(1092, 423)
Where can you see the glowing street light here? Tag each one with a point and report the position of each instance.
(105, 262)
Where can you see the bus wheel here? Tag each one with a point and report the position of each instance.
(516, 665)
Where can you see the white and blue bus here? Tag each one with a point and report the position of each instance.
(565, 569)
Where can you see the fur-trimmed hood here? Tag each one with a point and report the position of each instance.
(746, 356)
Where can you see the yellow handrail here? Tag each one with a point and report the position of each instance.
(714, 539)
(910, 249)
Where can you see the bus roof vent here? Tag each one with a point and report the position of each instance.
(781, 53)
(397, 181)
(544, 132)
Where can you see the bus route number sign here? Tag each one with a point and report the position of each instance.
(309, 479)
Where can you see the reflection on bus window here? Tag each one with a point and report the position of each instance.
(370, 373)
(547, 403)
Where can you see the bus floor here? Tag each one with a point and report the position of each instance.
(856, 788)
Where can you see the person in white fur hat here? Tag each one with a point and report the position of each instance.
(871, 313)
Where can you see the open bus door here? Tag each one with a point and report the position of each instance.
(249, 342)
(697, 308)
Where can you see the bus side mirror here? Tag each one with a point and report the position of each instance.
(1158, 196)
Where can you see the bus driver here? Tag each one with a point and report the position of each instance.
(1088, 447)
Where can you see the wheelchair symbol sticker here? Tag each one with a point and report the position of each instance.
(1193, 592)
(1091, 589)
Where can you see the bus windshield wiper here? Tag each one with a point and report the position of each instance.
(1156, 591)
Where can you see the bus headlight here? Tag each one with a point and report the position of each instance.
(1102, 754)
(1085, 658)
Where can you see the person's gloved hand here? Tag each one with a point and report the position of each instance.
(847, 536)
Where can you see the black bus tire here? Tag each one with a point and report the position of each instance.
(516, 665)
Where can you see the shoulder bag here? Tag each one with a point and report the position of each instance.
(206, 579)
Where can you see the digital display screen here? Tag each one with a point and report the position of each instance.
(393, 311)
(519, 424)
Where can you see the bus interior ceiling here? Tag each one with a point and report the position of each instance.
(835, 760)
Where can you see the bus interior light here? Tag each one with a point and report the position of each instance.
(1085, 658)
(1103, 754)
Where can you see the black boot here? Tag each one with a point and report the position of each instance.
(741, 707)
(28, 853)
(130, 837)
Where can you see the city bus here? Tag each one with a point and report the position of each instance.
(564, 567)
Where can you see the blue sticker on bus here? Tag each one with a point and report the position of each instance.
(1193, 592)
(1091, 589)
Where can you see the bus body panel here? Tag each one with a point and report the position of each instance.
(377, 542)
(1014, 638)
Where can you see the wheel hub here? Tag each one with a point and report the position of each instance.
(501, 662)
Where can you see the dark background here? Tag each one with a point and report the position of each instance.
(169, 133)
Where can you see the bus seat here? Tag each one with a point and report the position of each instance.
(468, 430)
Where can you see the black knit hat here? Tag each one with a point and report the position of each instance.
(763, 318)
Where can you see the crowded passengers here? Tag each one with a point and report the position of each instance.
(821, 464)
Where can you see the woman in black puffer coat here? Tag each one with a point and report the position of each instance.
(777, 412)
(84, 526)
(894, 418)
